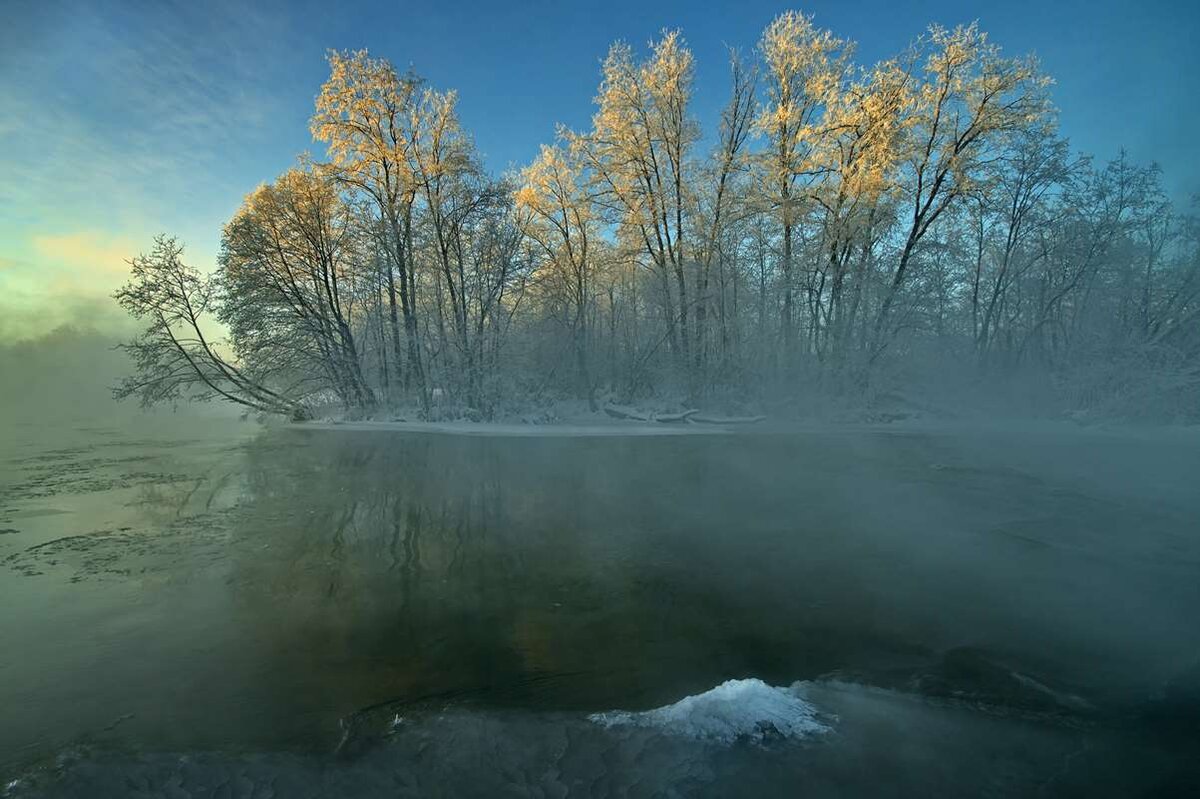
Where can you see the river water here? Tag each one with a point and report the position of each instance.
(206, 608)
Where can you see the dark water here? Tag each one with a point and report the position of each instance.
(214, 611)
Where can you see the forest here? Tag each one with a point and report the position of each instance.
(844, 236)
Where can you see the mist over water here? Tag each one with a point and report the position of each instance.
(815, 416)
(343, 610)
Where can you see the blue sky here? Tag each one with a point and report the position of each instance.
(123, 119)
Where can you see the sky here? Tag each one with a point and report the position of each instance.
(121, 120)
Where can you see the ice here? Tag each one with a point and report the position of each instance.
(734, 710)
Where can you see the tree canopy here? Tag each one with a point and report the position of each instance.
(843, 231)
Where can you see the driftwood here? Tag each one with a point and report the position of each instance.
(725, 419)
(668, 418)
(618, 412)
(624, 413)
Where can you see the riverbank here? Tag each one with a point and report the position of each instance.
(594, 425)
(597, 427)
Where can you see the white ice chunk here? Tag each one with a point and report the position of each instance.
(736, 709)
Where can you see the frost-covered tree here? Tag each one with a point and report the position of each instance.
(371, 117)
(556, 198)
(176, 357)
(293, 280)
(842, 232)
(639, 152)
(804, 69)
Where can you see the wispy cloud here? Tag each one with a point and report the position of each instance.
(97, 255)
(125, 115)
(121, 121)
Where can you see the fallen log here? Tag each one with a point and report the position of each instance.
(668, 418)
(725, 419)
(624, 413)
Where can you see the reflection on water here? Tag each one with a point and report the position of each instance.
(301, 590)
(566, 574)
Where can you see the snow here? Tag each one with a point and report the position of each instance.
(734, 710)
(503, 429)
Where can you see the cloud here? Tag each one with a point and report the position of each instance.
(124, 115)
(10, 263)
(25, 321)
(93, 256)
(63, 278)
(119, 123)
(68, 278)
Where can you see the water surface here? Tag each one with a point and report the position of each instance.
(351, 612)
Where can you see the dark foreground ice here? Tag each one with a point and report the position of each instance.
(870, 742)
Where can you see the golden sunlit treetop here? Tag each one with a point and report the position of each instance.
(839, 208)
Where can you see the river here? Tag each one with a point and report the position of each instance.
(202, 607)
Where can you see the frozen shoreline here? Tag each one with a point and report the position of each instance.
(600, 427)
(557, 429)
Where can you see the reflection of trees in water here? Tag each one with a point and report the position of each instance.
(427, 563)
(584, 571)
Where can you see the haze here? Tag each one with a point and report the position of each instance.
(613, 400)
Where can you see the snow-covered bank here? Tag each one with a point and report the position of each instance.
(565, 430)
(597, 425)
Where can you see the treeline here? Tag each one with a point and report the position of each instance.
(842, 231)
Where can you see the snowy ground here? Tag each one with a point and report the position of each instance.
(596, 427)
(588, 425)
